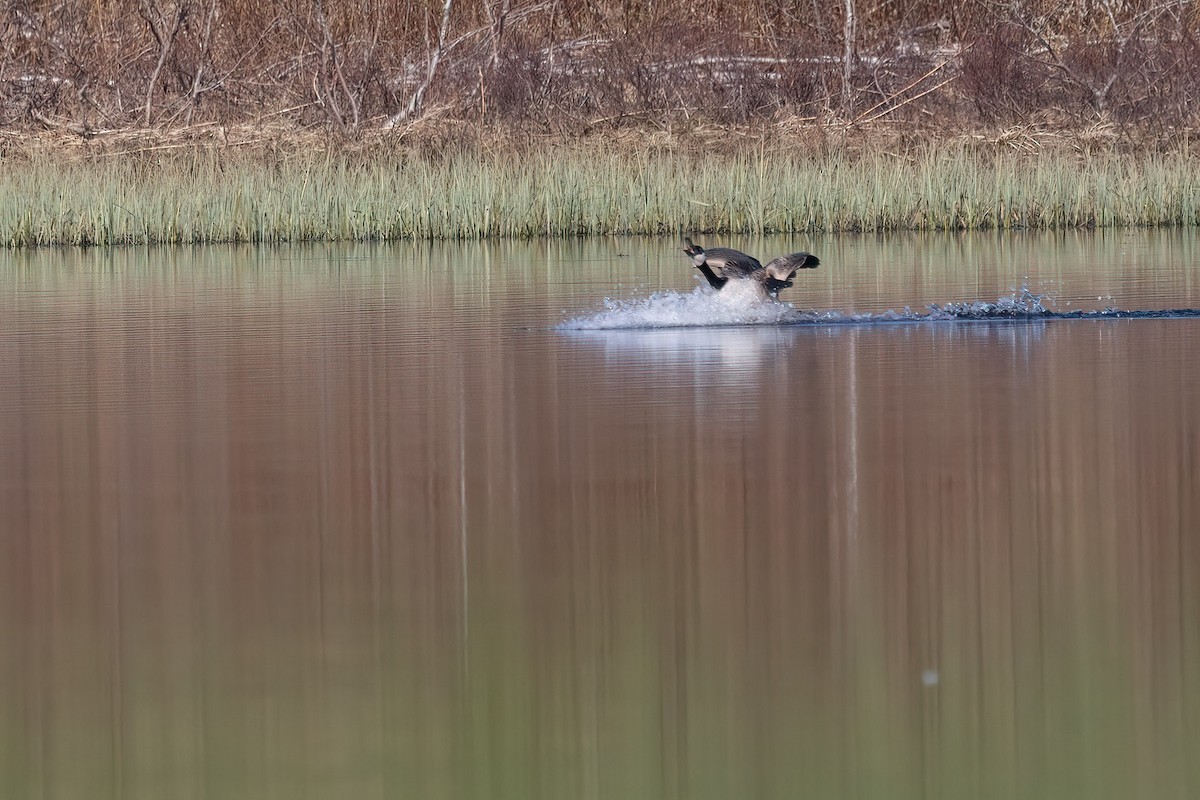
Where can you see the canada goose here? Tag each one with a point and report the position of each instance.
(722, 264)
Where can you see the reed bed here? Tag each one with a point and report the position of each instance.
(209, 196)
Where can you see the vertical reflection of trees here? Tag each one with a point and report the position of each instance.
(239, 531)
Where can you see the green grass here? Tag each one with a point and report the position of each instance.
(220, 196)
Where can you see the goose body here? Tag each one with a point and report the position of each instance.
(719, 265)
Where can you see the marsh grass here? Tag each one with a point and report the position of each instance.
(209, 195)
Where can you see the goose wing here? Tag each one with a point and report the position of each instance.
(731, 263)
(784, 267)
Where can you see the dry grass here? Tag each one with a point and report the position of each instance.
(210, 185)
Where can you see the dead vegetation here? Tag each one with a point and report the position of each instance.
(457, 70)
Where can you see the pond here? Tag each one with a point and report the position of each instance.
(387, 521)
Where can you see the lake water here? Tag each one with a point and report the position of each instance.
(382, 522)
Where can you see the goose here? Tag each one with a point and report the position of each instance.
(722, 264)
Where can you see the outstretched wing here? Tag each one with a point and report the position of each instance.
(731, 263)
(784, 267)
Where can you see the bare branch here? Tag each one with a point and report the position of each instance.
(166, 40)
(418, 97)
(848, 55)
(330, 60)
(204, 45)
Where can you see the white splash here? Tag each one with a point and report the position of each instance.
(1022, 302)
(737, 304)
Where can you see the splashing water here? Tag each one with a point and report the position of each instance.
(1021, 303)
(703, 307)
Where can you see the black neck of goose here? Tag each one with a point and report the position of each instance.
(713, 280)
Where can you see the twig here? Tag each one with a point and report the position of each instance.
(896, 94)
(79, 130)
(885, 112)
(176, 147)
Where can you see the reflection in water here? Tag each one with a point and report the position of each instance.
(371, 535)
(726, 356)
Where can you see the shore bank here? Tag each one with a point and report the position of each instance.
(220, 186)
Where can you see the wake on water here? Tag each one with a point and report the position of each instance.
(703, 307)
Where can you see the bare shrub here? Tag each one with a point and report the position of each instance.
(573, 66)
(1003, 83)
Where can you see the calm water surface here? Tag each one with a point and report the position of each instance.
(358, 521)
